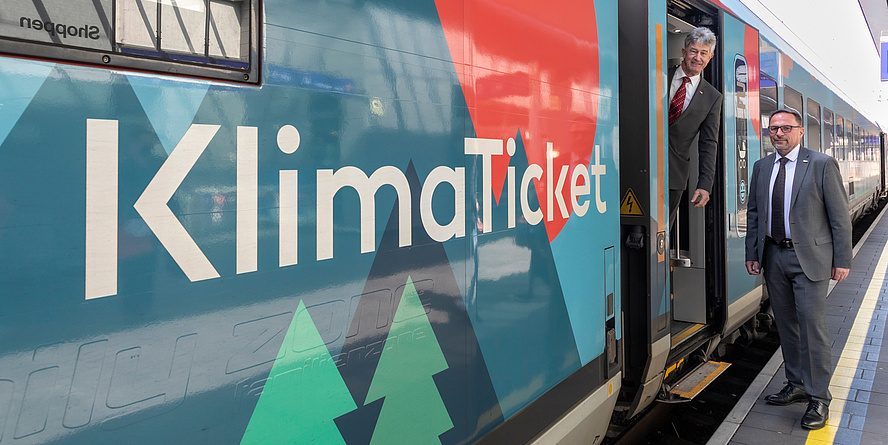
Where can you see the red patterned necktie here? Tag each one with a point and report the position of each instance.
(778, 231)
(677, 104)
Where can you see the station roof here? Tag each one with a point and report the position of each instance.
(876, 14)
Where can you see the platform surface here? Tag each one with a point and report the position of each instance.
(856, 312)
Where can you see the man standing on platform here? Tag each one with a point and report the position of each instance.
(694, 108)
(799, 232)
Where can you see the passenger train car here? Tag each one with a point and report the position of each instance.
(375, 221)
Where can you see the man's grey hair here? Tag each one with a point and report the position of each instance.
(787, 110)
(703, 36)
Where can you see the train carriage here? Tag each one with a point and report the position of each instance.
(687, 308)
(379, 221)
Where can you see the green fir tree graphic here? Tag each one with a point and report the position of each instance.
(412, 411)
(304, 393)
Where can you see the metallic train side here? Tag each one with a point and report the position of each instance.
(406, 231)
(389, 221)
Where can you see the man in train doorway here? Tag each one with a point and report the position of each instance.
(694, 109)
(799, 232)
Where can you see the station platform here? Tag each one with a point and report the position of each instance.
(858, 414)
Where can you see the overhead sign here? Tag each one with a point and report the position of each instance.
(78, 23)
(884, 61)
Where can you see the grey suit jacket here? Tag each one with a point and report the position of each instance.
(702, 116)
(819, 221)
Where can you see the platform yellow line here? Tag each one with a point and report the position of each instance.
(851, 355)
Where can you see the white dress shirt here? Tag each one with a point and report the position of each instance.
(793, 157)
(689, 90)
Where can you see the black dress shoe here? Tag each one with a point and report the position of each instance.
(815, 416)
(788, 395)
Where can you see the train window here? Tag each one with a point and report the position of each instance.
(864, 144)
(840, 138)
(793, 99)
(206, 38)
(829, 138)
(868, 143)
(867, 146)
(769, 58)
(872, 146)
(858, 141)
(861, 138)
(864, 150)
(855, 143)
(767, 105)
(870, 152)
(813, 131)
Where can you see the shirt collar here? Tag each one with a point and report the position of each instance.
(793, 155)
(679, 73)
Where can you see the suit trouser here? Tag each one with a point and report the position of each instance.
(798, 305)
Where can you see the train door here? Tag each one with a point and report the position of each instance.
(742, 147)
(656, 341)
(883, 160)
(691, 240)
(643, 207)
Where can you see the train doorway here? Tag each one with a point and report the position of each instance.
(692, 244)
(675, 322)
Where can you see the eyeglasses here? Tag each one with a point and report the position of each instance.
(783, 128)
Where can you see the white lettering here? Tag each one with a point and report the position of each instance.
(559, 191)
(533, 217)
(288, 235)
(329, 183)
(580, 171)
(510, 179)
(550, 204)
(102, 152)
(101, 208)
(456, 228)
(486, 148)
(598, 170)
(152, 204)
(247, 199)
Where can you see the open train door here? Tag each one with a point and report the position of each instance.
(695, 241)
(643, 209)
(654, 337)
(741, 148)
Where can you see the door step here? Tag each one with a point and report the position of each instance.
(692, 384)
(687, 332)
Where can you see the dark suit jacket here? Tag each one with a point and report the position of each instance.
(819, 221)
(702, 116)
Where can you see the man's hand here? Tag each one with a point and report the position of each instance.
(839, 273)
(752, 268)
(703, 195)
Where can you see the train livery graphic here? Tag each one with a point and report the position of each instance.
(372, 222)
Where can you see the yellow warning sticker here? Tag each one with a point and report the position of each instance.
(630, 206)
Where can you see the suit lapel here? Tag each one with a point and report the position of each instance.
(800, 171)
(764, 180)
(698, 94)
